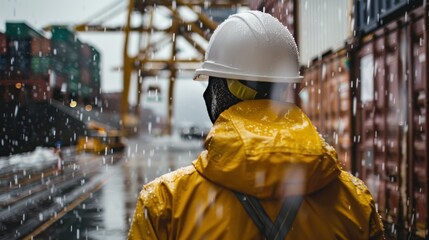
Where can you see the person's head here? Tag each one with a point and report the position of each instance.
(251, 55)
(58, 144)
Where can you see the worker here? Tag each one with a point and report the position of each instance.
(60, 159)
(265, 172)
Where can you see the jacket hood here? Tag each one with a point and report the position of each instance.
(267, 149)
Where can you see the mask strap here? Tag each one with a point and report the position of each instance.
(240, 90)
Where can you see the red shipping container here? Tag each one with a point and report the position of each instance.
(380, 197)
(284, 11)
(40, 47)
(421, 215)
(85, 76)
(3, 44)
(59, 80)
(393, 126)
(393, 201)
(328, 103)
(40, 89)
(418, 89)
(86, 51)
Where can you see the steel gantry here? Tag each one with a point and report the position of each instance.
(194, 26)
(201, 26)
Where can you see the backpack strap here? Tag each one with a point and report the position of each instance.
(283, 222)
(255, 210)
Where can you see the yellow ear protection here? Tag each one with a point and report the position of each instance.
(240, 90)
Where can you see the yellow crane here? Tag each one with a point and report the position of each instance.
(202, 26)
(144, 63)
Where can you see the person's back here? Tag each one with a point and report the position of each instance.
(260, 151)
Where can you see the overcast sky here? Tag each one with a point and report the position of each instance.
(189, 105)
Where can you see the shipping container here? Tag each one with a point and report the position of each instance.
(4, 66)
(65, 49)
(19, 54)
(24, 43)
(86, 51)
(311, 94)
(371, 14)
(62, 33)
(219, 14)
(77, 62)
(40, 47)
(95, 71)
(4, 60)
(3, 44)
(39, 89)
(86, 91)
(41, 65)
(418, 140)
(95, 58)
(59, 87)
(284, 11)
(326, 100)
(390, 85)
(21, 31)
(60, 49)
(323, 25)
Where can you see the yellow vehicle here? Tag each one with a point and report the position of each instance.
(99, 141)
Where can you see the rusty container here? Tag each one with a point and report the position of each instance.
(40, 47)
(391, 131)
(40, 89)
(326, 100)
(4, 61)
(418, 144)
(284, 11)
(310, 94)
(3, 44)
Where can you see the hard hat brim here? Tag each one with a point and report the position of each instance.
(204, 74)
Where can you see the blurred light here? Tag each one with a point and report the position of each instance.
(88, 108)
(18, 85)
(73, 103)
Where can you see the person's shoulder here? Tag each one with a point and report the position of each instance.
(157, 195)
(169, 180)
(357, 187)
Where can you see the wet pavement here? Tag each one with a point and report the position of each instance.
(107, 213)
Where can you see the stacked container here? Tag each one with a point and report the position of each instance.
(76, 65)
(311, 94)
(19, 38)
(383, 100)
(392, 145)
(85, 72)
(90, 73)
(66, 61)
(418, 131)
(40, 56)
(284, 11)
(40, 67)
(4, 63)
(4, 67)
(27, 63)
(327, 84)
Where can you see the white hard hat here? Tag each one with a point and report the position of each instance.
(251, 46)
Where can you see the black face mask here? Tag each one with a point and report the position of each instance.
(208, 98)
(218, 98)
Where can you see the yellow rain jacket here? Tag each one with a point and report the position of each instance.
(269, 150)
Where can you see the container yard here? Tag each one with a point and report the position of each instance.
(99, 101)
